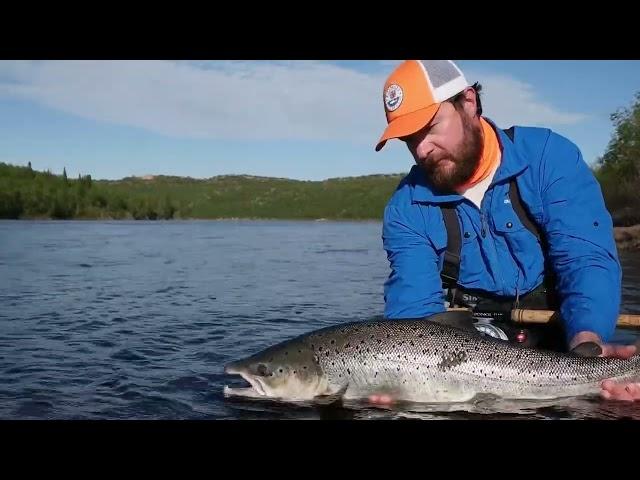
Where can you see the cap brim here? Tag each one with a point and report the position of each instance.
(407, 124)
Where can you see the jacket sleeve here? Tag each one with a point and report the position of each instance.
(413, 288)
(582, 249)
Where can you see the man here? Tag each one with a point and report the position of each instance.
(467, 177)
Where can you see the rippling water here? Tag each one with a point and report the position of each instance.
(134, 320)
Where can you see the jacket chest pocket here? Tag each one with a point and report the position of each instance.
(514, 233)
(505, 221)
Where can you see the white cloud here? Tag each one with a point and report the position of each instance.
(242, 100)
(509, 101)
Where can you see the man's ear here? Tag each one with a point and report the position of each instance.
(470, 102)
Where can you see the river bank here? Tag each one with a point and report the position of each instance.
(627, 238)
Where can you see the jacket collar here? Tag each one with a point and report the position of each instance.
(512, 163)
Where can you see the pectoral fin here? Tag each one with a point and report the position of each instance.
(332, 398)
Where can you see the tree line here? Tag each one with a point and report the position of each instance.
(27, 193)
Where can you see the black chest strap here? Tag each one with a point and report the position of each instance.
(451, 265)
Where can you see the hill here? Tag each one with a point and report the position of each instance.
(26, 193)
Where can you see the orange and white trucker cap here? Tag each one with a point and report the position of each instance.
(413, 93)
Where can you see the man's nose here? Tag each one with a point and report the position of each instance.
(424, 150)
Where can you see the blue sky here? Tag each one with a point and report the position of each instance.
(296, 119)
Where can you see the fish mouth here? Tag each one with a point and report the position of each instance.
(256, 389)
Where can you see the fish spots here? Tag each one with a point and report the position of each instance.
(453, 359)
(280, 370)
(348, 371)
(332, 342)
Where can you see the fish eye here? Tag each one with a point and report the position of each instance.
(262, 370)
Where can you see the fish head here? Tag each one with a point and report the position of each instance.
(288, 371)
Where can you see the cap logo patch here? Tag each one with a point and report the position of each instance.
(393, 97)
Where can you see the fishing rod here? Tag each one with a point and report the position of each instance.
(522, 315)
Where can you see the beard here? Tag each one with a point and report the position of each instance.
(450, 170)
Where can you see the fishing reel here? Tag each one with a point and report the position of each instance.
(492, 319)
(485, 327)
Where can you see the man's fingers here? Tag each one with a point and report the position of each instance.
(606, 394)
(381, 399)
(619, 351)
(633, 389)
(620, 391)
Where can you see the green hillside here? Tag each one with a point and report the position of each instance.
(26, 193)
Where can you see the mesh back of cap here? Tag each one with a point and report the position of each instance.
(440, 71)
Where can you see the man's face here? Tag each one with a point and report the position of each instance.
(448, 149)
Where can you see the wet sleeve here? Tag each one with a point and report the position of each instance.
(582, 249)
(413, 288)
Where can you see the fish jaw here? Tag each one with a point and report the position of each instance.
(256, 390)
(287, 387)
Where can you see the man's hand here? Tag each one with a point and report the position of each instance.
(589, 344)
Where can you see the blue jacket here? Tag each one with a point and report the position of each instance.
(565, 200)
